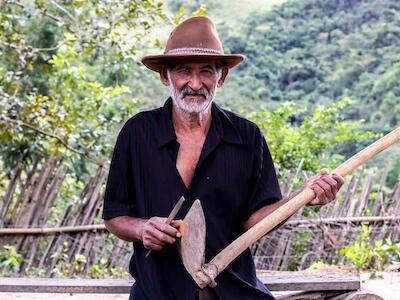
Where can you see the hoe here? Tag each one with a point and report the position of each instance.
(192, 243)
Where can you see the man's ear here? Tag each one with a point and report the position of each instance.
(164, 75)
(224, 73)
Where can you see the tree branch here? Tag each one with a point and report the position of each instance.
(43, 11)
(26, 47)
(4, 119)
(64, 10)
(336, 221)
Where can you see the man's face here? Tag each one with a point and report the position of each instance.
(193, 85)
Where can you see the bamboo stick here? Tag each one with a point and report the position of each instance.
(47, 230)
(16, 173)
(101, 227)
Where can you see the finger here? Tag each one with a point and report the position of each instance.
(153, 246)
(151, 239)
(319, 193)
(176, 223)
(314, 201)
(162, 237)
(151, 243)
(167, 229)
(339, 179)
(156, 220)
(327, 194)
(160, 224)
(331, 182)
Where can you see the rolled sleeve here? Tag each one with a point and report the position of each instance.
(119, 196)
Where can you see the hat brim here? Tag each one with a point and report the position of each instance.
(154, 62)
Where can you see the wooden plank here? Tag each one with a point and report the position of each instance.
(50, 285)
(302, 281)
(298, 281)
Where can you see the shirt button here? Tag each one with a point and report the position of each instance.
(208, 177)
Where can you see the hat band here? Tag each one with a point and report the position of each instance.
(192, 50)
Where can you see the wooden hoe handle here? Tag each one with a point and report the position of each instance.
(227, 255)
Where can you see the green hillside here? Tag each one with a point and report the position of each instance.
(319, 51)
(309, 52)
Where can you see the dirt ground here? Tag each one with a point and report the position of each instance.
(387, 285)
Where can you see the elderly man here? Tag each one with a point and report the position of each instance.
(192, 147)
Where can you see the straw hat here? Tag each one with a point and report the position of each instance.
(194, 38)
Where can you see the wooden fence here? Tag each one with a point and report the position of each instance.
(304, 240)
(32, 194)
(28, 201)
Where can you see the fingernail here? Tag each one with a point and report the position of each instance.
(178, 234)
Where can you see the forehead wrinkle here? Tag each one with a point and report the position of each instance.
(200, 65)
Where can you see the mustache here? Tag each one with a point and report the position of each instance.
(188, 91)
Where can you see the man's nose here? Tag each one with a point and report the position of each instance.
(195, 82)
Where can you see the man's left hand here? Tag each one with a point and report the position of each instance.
(325, 187)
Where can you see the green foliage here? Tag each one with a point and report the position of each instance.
(318, 265)
(61, 87)
(300, 247)
(10, 260)
(36, 272)
(394, 173)
(316, 52)
(183, 10)
(295, 138)
(64, 69)
(365, 255)
(101, 270)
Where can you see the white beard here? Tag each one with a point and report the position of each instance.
(192, 105)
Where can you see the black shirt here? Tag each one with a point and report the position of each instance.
(234, 177)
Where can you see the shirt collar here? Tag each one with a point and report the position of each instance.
(220, 122)
(224, 126)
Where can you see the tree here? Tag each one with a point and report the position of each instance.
(62, 71)
(311, 141)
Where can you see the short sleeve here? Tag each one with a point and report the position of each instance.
(266, 189)
(119, 196)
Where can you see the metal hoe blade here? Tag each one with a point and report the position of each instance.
(193, 240)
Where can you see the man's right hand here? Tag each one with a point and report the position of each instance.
(156, 233)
